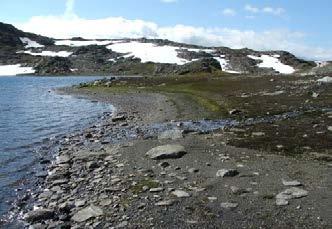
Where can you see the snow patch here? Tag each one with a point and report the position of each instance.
(202, 50)
(273, 62)
(12, 70)
(149, 52)
(30, 43)
(83, 43)
(321, 64)
(224, 65)
(49, 53)
(326, 79)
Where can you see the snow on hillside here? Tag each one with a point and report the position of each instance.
(149, 52)
(326, 79)
(49, 53)
(224, 64)
(30, 43)
(83, 43)
(273, 62)
(321, 64)
(12, 70)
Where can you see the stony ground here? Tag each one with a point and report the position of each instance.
(106, 178)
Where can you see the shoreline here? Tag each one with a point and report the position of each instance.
(97, 182)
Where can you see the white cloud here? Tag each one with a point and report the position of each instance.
(251, 8)
(275, 11)
(168, 1)
(229, 12)
(267, 9)
(71, 25)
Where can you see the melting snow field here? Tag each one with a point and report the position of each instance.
(29, 43)
(12, 70)
(326, 79)
(81, 43)
(149, 52)
(273, 62)
(224, 65)
(49, 53)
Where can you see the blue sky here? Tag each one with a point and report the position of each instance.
(302, 27)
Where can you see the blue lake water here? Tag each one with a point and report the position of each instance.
(30, 112)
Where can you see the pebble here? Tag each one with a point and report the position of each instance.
(180, 194)
(165, 203)
(212, 198)
(193, 170)
(291, 183)
(227, 173)
(87, 213)
(156, 189)
(228, 205)
(164, 164)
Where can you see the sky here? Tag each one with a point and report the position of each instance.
(299, 26)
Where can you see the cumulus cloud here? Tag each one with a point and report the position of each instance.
(267, 9)
(229, 12)
(71, 25)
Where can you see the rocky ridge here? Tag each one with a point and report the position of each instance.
(97, 57)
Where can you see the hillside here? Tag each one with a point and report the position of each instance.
(27, 53)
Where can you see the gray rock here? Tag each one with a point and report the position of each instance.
(258, 134)
(164, 164)
(291, 193)
(42, 174)
(87, 213)
(239, 191)
(228, 205)
(80, 203)
(119, 118)
(291, 183)
(165, 203)
(166, 152)
(92, 165)
(38, 215)
(193, 170)
(281, 202)
(122, 224)
(157, 189)
(234, 112)
(63, 159)
(171, 134)
(180, 194)
(227, 173)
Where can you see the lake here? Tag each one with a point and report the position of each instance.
(30, 113)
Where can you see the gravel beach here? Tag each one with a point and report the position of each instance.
(117, 174)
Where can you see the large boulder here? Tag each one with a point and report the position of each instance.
(166, 152)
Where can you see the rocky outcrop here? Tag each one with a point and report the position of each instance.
(10, 37)
(53, 66)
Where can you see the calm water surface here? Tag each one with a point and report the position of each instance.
(30, 112)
